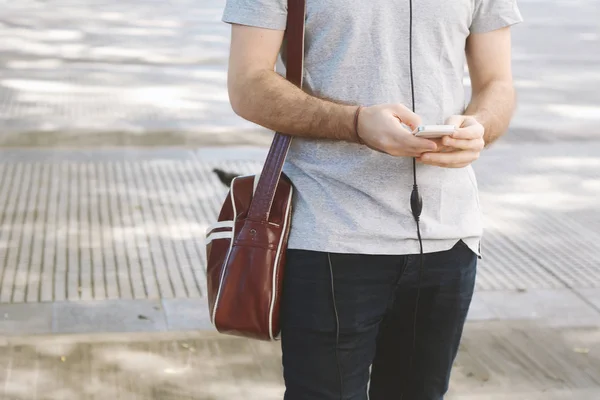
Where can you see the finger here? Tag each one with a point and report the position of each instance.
(463, 144)
(443, 165)
(406, 116)
(449, 166)
(439, 142)
(469, 121)
(469, 132)
(419, 145)
(456, 120)
(449, 159)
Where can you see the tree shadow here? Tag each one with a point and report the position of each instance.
(199, 369)
(126, 66)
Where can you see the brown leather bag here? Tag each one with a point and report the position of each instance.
(246, 248)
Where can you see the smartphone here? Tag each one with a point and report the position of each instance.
(434, 131)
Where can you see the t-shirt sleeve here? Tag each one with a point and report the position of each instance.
(495, 14)
(270, 14)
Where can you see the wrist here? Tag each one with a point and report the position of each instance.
(343, 121)
(356, 133)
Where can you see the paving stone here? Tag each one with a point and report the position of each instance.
(187, 314)
(129, 223)
(591, 295)
(555, 307)
(108, 316)
(479, 310)
(18, 319)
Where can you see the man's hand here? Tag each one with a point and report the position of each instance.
(461, 148)
(380, 128)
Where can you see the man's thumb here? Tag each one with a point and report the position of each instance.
(456, 120)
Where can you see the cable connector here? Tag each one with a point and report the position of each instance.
(416, 203)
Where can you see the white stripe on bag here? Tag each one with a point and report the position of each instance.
(220, 224)
(218, 235)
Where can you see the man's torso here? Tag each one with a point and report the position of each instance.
(348, 197)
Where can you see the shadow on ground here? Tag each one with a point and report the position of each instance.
(496, 359)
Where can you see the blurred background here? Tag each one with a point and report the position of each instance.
(112, 117)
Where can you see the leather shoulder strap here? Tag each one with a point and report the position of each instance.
(271, 173)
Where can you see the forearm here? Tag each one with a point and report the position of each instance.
(493, 107)
(269, 100)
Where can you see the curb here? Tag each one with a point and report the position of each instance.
(105, 317)
(96, 139)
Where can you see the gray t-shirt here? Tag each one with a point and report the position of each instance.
(349, 198)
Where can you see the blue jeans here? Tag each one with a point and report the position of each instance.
(348, 326)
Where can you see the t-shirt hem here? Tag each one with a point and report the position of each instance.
(401, 247)
(257, 18)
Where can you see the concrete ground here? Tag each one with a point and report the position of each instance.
(497, 361)
(102, 281)
(102, 286)
(102, 73)
(115, 69)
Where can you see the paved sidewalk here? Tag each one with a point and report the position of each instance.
(106, 72)
(112, 240)
(102, 275)
(100, 72)
(512, 360)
